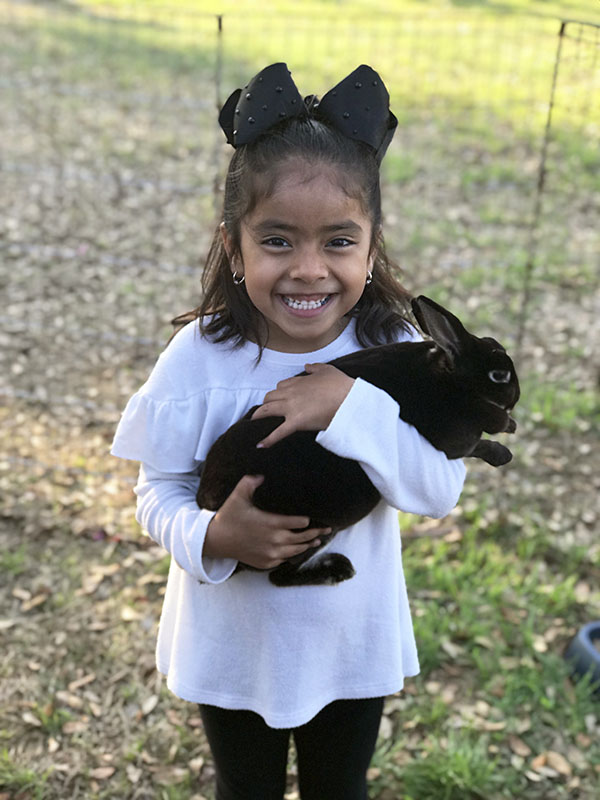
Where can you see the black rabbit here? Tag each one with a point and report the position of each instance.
(451, 389)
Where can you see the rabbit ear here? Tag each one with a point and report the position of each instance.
(445, 329)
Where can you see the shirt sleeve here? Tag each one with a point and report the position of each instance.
(168, 512)
(409, 472)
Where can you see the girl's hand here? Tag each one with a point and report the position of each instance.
(258, 538)
(308, 402)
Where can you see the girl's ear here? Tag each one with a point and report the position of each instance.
(375, 242)
(227, 243)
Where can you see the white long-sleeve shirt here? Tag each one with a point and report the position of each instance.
(236, 640)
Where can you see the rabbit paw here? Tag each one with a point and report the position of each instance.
(328, 569)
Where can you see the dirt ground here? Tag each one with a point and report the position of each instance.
(100, 245)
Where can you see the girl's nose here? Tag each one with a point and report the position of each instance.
(309, 267)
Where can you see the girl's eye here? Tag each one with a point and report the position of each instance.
(340, 241)
(276, 241)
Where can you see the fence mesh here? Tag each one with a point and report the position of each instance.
(112, 163)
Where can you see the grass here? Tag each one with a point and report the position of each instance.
(500, 621)
(21, 782)
(496, 599)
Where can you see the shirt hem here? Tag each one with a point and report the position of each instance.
(284, 721)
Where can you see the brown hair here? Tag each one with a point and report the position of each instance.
(226, 312)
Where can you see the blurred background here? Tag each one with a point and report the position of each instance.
(111, 171)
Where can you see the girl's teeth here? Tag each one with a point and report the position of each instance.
(305, 305)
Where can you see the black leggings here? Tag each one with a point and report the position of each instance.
(334, 751)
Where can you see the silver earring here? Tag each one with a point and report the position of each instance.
(369, 278)
(237, 280)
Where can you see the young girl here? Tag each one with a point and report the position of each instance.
(296, 273)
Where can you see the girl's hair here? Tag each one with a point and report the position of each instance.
(226, 312)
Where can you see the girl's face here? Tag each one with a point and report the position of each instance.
(305, 254)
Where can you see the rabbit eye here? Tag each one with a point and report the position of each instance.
(500, 375)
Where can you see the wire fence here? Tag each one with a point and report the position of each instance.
(111, 169)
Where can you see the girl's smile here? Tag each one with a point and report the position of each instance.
(305, 255)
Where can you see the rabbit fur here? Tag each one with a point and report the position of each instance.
(452, 389)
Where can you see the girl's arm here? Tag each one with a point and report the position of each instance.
(359, 421)
(206, 544)
(409, 472)
(168, 512)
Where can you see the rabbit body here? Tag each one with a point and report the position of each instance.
(452, 390)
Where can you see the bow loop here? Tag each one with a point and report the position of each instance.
(357, 107)
(270, 97)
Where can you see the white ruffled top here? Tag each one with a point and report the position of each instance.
(235, 640)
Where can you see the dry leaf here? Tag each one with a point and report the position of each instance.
(34, 602)
(53, 745)
(95, 708)
(519, 747)
(149, 704)
(167, 775)
(173, 717)
(77, 684)
(31, 719)
(133, 773)
(69, 699)
(196, 765)
(533, 776)
(386, 728)
(74, 726)
(453, 650)
(538, 762)
(5, 624)
(101, 773)
(129, 614)
(559, 763)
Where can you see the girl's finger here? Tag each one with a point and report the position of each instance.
(277, 435)
(268, 410)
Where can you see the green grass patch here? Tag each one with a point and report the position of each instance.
(22, 782)
(560, 407)
(14, 563)
(459, 769)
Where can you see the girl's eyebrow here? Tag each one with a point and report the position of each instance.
(347, 225)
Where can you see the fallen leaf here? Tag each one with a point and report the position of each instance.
(129, 614)
(101, 773)
(518, 746)
(452, 649)
(386, 728)
(538, 762)
(69, 699)
(74, 726)
(34, 602)
(559, 763)
(168, 775)
(77, 684)
(196, 765)
(533, 776)
(133, 773)
(149, 704)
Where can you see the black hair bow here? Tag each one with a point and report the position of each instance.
(358, 107)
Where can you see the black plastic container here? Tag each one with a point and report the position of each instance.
(583, 654)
